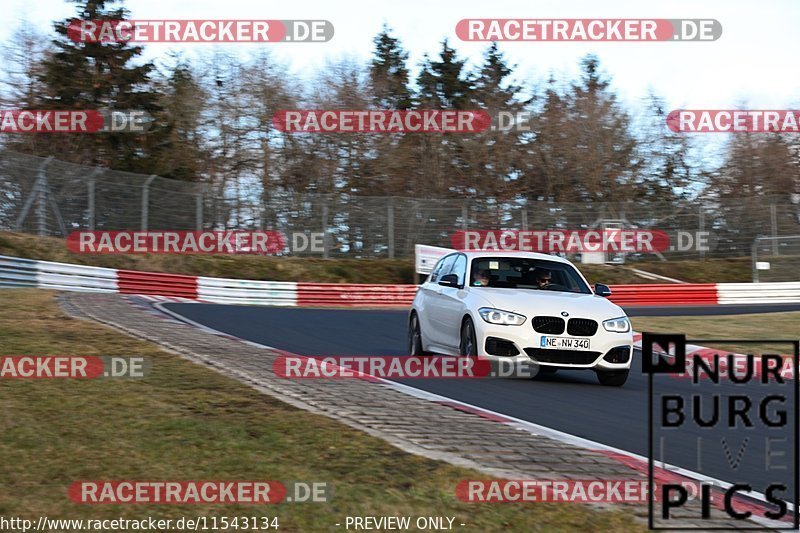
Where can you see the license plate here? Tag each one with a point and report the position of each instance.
(564, 343)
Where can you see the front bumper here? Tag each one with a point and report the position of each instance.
(607, 351)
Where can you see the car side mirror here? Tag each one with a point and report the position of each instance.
(450, 280)
(602, 290)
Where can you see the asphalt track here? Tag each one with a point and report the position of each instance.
(569, 401)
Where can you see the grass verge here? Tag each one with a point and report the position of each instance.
(187, 422)
(785, 326)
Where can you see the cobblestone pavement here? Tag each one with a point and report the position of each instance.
(413, 424)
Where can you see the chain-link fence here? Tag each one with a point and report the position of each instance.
(776, 258)
(46, 196)
(50, 197)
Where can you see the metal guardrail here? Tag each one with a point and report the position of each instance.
(665, 294)
(758, 293)
(250, 292)
(17, 272)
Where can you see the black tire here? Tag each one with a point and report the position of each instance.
(414, 336)
(469, 342)
(613, 379)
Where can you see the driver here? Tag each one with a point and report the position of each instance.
(481, 279)
(543, 279)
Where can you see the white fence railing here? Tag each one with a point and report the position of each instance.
(241, 291)
(17, 272)
(758, 293)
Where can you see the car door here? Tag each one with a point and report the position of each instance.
(430, 303)
(445, 305)
(452, 304)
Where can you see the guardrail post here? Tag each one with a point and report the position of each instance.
(702, 227)
(325, 229)
(90, 208)
(754, 255)
(773, 218)
(90, 215)
(390, 227)
(37, 191)
(198, 211)
(41, 211)
(146, 201)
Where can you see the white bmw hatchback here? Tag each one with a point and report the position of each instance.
(521, 307)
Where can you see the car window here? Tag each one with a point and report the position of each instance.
(524, 273)
(435, 272)
(442, 267)
(460, 268)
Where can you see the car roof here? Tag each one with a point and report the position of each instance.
(526, 255)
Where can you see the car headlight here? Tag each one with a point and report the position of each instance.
(617, 325)
(498, 316)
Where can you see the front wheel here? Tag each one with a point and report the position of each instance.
(414, 337)
(469, 344)
(613, 379)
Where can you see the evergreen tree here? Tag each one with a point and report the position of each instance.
(179, 152)
(666, 173)
(389, 82)
(493, 155)
(606, 149)
(444, 84)
(389, 73)
(102, 76)
(599, 143)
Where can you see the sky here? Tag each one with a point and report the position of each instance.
(752, 64)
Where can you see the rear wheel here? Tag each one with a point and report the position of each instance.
(613, 379)
(414, 337)
(469, 344)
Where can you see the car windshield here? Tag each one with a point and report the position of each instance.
(526, 273)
